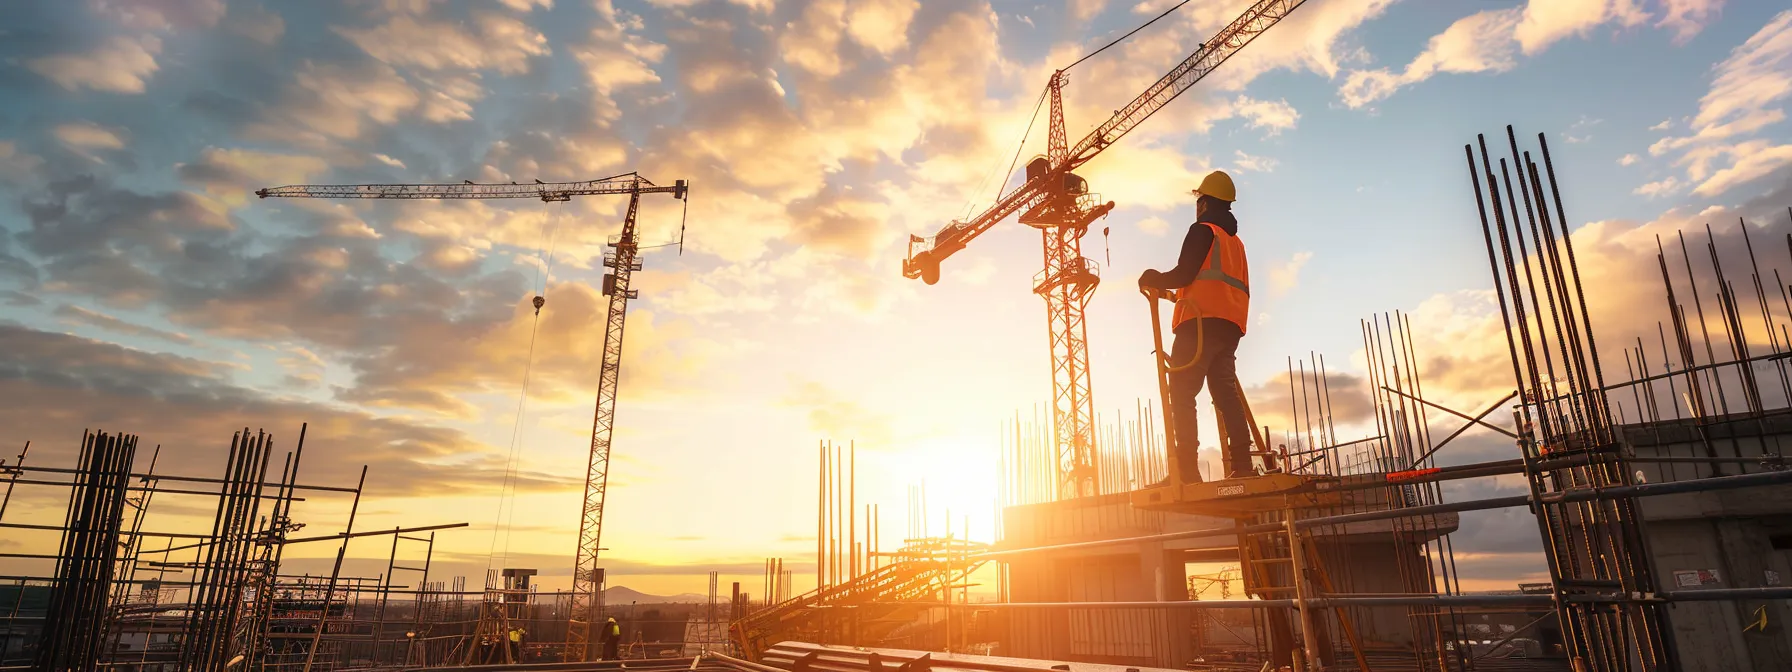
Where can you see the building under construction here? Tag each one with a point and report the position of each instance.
(1666, 533)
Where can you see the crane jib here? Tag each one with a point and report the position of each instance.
(546, 191)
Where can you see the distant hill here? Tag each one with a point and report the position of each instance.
(618, 595)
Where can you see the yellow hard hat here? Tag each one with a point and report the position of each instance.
(1218, 185)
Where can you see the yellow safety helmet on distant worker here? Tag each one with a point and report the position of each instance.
(1218, 185)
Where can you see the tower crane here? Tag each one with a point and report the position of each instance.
(587, 595)
(1058, 203)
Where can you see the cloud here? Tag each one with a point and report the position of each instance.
(119, 65)
(59, 383)
(304, 368)
(1746, 92)
(1480, 42)
(615, 57)
(881, 25)
(1284, 277)
(255, 22)
(395, 163)
(79, 315)
(1491, 40)
(1744, 87)
(82, 135)
(1315, 39)
(1659, 188)
(17, 165)
(813, 41)
(17, 272)
(838, 220)
(1273, 116)
(159, 14)
(411, 336)
(1083, 10)
(1548, 21)
(233, 174)
(81, 230)
(326, 103)
(1583, 126)
(1628, 160)
(1750, 161)
(1664, 125)
(1272, 402)
(1256, 164)
(1687, 17)
(487, 40)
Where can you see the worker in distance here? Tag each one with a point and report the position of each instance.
(1212, 286)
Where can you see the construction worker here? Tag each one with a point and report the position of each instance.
(516, 644)
(611, 639)
(1213, 297)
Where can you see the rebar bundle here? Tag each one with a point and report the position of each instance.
(74, 628)
(212, 637)
(1594, 545)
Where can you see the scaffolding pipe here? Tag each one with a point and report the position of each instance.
(1642, 490)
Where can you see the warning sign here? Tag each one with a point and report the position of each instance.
(1692, 578)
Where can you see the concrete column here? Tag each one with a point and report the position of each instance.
(1745, 557)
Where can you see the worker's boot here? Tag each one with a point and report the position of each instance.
(1188, 464)
(1238, 462)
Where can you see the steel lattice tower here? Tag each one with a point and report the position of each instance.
(1066, 284)
(587, 583)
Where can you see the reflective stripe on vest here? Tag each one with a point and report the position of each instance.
(1222, 288)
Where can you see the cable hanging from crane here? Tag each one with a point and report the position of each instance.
(506, 513)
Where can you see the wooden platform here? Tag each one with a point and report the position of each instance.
(1240, 497)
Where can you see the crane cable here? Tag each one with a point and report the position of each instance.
(1023, 140)
(506, 513)
(1130, 33)
(1041, 102)
(970, 204)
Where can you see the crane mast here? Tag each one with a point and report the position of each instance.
(587, 580)
(1058, 203)
(621, 263)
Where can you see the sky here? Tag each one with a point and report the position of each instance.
(144, 289)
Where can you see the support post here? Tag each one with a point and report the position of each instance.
(1309, 628)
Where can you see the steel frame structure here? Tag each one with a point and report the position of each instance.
(1053, 200)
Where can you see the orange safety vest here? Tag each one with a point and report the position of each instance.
(1223, 287)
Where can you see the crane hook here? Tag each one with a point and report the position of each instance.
(539, 302)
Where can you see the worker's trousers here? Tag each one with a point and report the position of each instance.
(1215, 367)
